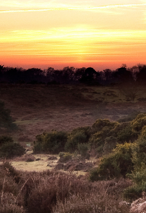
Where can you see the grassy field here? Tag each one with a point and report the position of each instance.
(39, 108)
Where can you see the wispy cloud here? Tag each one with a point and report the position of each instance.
(104, 8)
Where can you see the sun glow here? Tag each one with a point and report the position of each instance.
(72, 33)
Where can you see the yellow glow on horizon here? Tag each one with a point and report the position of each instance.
(69, 32)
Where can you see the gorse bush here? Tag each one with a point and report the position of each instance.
(138, 178)
(139, 122)
(106, 134)
(64, 157)
(77, 136)
(83, 149)
(5, 139)
(52, 142)
(100, 124)
(116, 164)
(102, 137)
(74, 140)
(10, 150)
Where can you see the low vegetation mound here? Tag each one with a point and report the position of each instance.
(10, 149)
(52, 142)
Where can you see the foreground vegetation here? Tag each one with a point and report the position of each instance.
(57, 192)
(119, 146)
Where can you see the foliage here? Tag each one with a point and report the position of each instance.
(5, 139)
(106, 134)
(6, 120)
(10, 150)
(83, 149)
(100, 124)
(116, 164)
(77, 136)
(64, 157)
(139, 122)
(138, 177)
(52, 142)
(139, 149)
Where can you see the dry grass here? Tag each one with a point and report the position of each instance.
(39, 108)
(42, 192)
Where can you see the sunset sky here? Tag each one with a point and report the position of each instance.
(80, 33)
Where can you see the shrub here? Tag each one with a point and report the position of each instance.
(105, 197)
(11, 208)
(64, 157)
(109, 133)
(5, 139)
(139, 122)
(55, 187)
(6, 120)
(77, 136)
(100, 124)
(10, 150)
(83, 149)
(139, 152)
(116, 164)
(139, 184)
(52, 142)
(134, 192)
(109, 145)
(125, 133)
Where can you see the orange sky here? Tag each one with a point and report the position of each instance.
(42, 33)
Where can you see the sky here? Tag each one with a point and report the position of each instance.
(80, 33)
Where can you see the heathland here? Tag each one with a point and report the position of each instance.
(72, 146)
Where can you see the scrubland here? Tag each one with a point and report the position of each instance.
(100, 132)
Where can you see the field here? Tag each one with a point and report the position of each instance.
(41, 108)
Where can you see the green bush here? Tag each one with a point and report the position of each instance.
(139, 122)
(116, 164)
(138, 178)
(52, 142)
(5, 139)
(77, 136)
(100, 124)
(64, 157)
(134, 192)
(125, 133)
(109, 145)
(10, 150)
(83, 149)
(139, 152)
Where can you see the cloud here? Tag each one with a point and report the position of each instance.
(105, 8)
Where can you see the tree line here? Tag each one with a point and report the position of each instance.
(71, 75)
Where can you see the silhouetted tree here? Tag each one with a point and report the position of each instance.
(141, 75)
(89, 76)
(122, 75)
